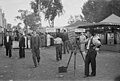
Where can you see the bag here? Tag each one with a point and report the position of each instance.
(62, 69)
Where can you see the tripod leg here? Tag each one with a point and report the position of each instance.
(81, 53)
(69, 58)
(74, 62)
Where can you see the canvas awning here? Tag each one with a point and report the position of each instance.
(78, 23)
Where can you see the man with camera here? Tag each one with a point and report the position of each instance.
(93, 44)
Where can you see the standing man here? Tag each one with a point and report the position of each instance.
(58, 42)
(21, 46)
(65, 42)
(8, 44)
(59, 34)
(82, 39)
(92, 44)
(35, 48)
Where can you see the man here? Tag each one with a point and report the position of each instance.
(35, 48)
(92, 44)
(8, 44)
(48, 40)
(65, 42)
(82, 39)
(58, 42)
(22, 46)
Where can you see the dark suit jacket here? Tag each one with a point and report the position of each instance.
(22, 42)
(65, 37)
(8, 44)
(35, 42)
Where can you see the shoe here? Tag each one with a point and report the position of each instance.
(38, 62)
(35, 66)
(86, 76)
(92, 75)
(57, 60)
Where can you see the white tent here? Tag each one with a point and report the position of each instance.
(112, 18)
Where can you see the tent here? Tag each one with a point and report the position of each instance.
(78, 23)
(111, 19)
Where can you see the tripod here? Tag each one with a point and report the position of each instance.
(74, 51)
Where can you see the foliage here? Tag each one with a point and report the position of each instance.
(32, 21)
(50, 8)
(29, 19)
(115, 6)
(75, 18)
(71, 20)
(96, 10)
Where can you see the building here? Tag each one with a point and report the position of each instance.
(3, 25)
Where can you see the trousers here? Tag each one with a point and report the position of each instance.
(90, 58)
(36, 56)
(58, 52)
(65, 47)
(22, 52)
(8, 51)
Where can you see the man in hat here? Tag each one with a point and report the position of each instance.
(8, 44)
(35, 48)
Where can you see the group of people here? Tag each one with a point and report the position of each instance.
(89, 45)
(34, 44)
(8, 42)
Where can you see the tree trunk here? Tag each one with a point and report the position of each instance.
(49, 23)
(53, 23)
(39, 11)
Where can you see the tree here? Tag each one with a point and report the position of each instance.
(22, 17)
(75, 18)
(29, 19)
(32, 21)
(71, 20)
(97, 10)
(115, 6)
(50, 8)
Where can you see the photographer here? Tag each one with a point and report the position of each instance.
(92, 45)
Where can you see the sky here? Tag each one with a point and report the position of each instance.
(11, 7)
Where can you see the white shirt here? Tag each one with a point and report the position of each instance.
(82, 38)
(7, 38)
(89, 40)
(58, 40)
(95, 41)
(49, 36)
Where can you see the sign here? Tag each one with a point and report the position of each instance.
(80, 30)
(50, 29)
